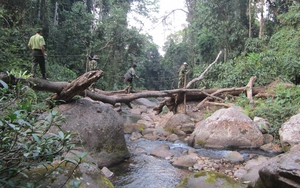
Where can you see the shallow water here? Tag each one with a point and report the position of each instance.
(145, 171)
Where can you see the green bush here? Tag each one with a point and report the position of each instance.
(276, 110)
(25, 140)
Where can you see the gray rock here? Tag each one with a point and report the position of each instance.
(227, 128)
(252, 167)
(272, 148)
(289, 133)
(185, 161)
(268, 138)
(107, 173)
(135, 136)
(87, 174)
(134, 127)
(233, 157)
(262, 124)
(282, 170)
(172, 138)
(162, 151)
(240, 173)
(180, 122)
(98, 128)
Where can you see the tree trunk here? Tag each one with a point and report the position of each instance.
(262, 19)
(55, 18)
(250, 20)
(39, 10)
(64, 91)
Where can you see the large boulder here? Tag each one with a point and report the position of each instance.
(98, 129)
(289, 133)
(227, 128)
(282, 170)
(180, 122)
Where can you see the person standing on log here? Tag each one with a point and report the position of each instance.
(92, 65)
(36, 44)
(128, 77)
(182, 70)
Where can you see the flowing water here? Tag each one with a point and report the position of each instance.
(142, 170)
(145, 171)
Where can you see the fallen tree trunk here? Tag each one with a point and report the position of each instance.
(65, 91)
(204, 95)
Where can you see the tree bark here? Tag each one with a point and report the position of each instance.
(249, 87)
(55, 18)
(250, 19)
(202, 75)
(262, 19)
(64, 91)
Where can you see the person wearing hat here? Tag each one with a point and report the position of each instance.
(36, 44)
(182, 70)
(93, 63)
(128, 77)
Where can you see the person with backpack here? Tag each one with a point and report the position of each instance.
(128, 77)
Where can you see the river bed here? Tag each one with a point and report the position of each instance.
(143, 170)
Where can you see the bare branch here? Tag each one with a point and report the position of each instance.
(202, 75)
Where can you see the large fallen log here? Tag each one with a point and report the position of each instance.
(64, 91)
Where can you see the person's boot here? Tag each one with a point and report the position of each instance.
(44, 77)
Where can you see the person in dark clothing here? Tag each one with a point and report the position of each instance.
(128, 77)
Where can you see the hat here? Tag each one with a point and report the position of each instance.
(39, 30)
(185, 63)
(134, 65)
(95, 57)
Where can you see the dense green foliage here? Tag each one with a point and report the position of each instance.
(25, 139)
(225, 26)
(74, 29)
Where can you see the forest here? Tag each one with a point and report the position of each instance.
(257, 38)
(254, 42)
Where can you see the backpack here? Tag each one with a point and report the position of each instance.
(127, 76)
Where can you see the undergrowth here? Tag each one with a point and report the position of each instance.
(25, 138)
(276, 110)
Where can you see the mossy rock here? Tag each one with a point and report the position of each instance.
(209, 179)
(67, 175)
(134, 127)
(199, 143)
